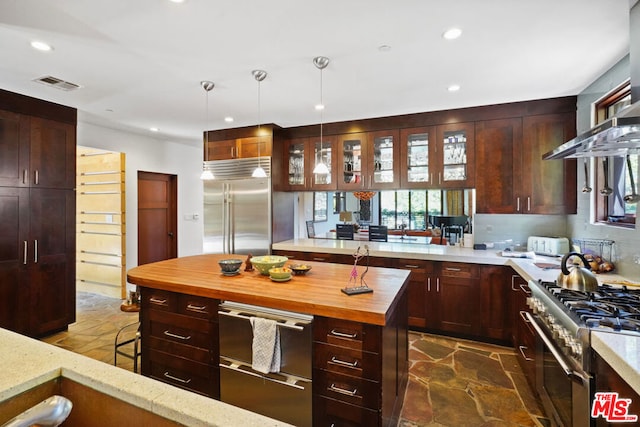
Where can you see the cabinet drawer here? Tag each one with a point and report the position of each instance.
(418, 268)
(181, 329)
(201, 307)
(357, 391)
(197, 354)
(456, 269)
(345, 333)
(356, 363)
(320, 257)
(159, 300)
(334, 413)
(183, 373)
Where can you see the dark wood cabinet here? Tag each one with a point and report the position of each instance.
(238, 148)
(360, 370)
(608, 380)
(455, 156)
(417, 154)
(181, 340)
(37, 215)
(495, 302)
(421, 271)
(523, 335)
(511, 176)
(301, 157)
(458, 298)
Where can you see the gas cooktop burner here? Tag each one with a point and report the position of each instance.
(615, 308)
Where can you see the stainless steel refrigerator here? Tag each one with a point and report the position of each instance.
(237, 209)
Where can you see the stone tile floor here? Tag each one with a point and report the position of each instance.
(452, 382)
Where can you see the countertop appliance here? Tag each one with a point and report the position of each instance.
(286, 395)
(563, 320)
(549, 246)
(237, 208)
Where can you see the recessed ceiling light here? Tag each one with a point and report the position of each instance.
(177, 1)
(228, 119)
(453, 88)
(452, 33)
(42, 46)
(154, 129)
(384, 48)
(319, 107)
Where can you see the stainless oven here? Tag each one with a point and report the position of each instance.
(564, 388)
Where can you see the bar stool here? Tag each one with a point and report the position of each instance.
(126, 335)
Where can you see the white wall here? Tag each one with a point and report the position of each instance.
(154, 155)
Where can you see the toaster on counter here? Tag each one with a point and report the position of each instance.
(549, 246)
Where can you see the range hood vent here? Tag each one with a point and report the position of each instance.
(620, 135)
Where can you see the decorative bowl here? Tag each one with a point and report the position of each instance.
(300, 269)
(264, 263)
(230, 265)
(280, 273)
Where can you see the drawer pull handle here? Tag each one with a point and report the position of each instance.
(319, 259)
(525, 289)
(171, 377)
(344, 363)
(154, 300)
(522, 348)
(196, 307)
(180, 337)
(337, 389)
(524, 317)
(453, 269)
(343, 335)
(411, 266)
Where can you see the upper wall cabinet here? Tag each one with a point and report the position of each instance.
(511, 175)
(301, 157)
(36, 152)
(437, 156)
(368, 161)
(238, 148)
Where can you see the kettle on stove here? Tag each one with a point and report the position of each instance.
(577, 277)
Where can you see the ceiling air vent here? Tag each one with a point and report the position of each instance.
(57, 83)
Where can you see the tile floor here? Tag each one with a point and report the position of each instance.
(452, 382)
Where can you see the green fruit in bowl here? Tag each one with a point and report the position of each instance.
(264, 263)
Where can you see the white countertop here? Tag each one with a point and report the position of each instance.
(26, 363)
(621, 351)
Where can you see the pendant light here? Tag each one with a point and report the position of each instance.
(321, 63)
(259, 75)
(207, 86)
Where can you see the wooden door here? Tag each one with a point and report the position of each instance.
(417, 149)
(455, 159)
(498, 166)
(157, 217)
(14, 149)
(383, 160)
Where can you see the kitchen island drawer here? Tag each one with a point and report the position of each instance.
(197, 354)
(346, 333)
(335, 413)
(180, 329)
(184, 373)
(353, 390)
(347, 361)
(458, 269)
(195, 306)
(157, 299)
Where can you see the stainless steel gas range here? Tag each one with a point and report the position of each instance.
(563, 320)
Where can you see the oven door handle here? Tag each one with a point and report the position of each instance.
(572, 374)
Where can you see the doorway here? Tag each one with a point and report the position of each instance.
(157, 217)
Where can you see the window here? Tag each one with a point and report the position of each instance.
(409, 209)
(319, 207)
(613, 209)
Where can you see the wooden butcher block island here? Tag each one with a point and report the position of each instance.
(359, 342)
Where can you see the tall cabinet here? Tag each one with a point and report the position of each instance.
(37, 215)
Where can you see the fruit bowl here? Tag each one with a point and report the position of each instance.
(280, 274)
(264, 263)
(230, 265)
(300, 269)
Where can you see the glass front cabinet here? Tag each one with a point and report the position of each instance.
(303, 155)
(437, 156)
(368, 161)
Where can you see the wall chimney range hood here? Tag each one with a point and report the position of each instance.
(620, 135)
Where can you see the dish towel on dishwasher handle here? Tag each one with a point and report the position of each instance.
(266, 345)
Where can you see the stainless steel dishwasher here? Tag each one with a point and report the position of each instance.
(286, 395)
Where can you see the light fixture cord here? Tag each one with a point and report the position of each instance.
(321, 114)
(259, 122)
